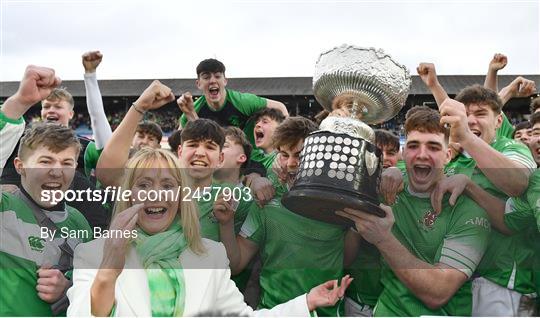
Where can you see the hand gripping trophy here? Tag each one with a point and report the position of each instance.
(340, 165)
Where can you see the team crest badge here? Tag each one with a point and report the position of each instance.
(36, 243)
(428, 220)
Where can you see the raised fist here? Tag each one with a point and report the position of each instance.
(223, 210)
(37, 83)
(427, 74)
(155, 96)
(498, 62)
(520, 87)
(51, 284)
(525, 87)
(91, 61)
(454, 114)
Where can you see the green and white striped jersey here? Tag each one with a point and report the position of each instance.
(502, 262)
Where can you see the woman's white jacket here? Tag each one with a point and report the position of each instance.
(209, 289)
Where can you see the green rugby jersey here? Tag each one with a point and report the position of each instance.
(236, 111)
(281, 188)
(524, 212)
(210, 225)
(502, 262)
(456, 237)
(91, 157)
(297, 253)
(23, 250)
(366, 271)
(266, 159)
(523, 215)
(506, 130)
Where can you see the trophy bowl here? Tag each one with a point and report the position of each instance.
(340, 165)
(380, 84)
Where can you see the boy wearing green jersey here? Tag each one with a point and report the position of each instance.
(201, 154)
(520, 215)
(296, 252)
(428, 257)
(225, 106)
(501, 167)
(36, 234)
(266, 122)
(366, 287)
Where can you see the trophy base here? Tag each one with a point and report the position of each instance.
(320, 204)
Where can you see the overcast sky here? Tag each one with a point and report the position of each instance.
(167, 39)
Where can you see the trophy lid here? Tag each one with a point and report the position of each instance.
(379, 83)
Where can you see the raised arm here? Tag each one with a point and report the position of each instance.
(116, 152)
(434, 285)
(277, 105)
(459, 184)
(519, 87)
(100, 125)
(185, 103)
(493, 206)
(498, 62)
(427, 73)
(508, 175)
(37, 84)
(240, 250)
(96, 271)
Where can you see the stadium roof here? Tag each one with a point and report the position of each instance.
(271, 86)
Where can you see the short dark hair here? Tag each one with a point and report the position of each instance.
(478, 94)
(210, 66)
(150, 128)
(174, 140)
(535, 119)
(425, 120)
(385, 138)
(203, 129)
(292, 130)
(522, 125)
(535, 104)
(239, 138)
(271, 113)
(52, 136)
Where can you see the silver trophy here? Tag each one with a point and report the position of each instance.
(340, 165)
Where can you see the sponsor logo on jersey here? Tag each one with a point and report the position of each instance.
(479, 221)
(428, 220)
(36, 243)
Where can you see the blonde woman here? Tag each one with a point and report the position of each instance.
(160, 265)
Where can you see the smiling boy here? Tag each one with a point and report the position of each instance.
(201, 154)
(46, 160)
(428, 258)
(500, 166)
(225, 106)
(294, 249)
